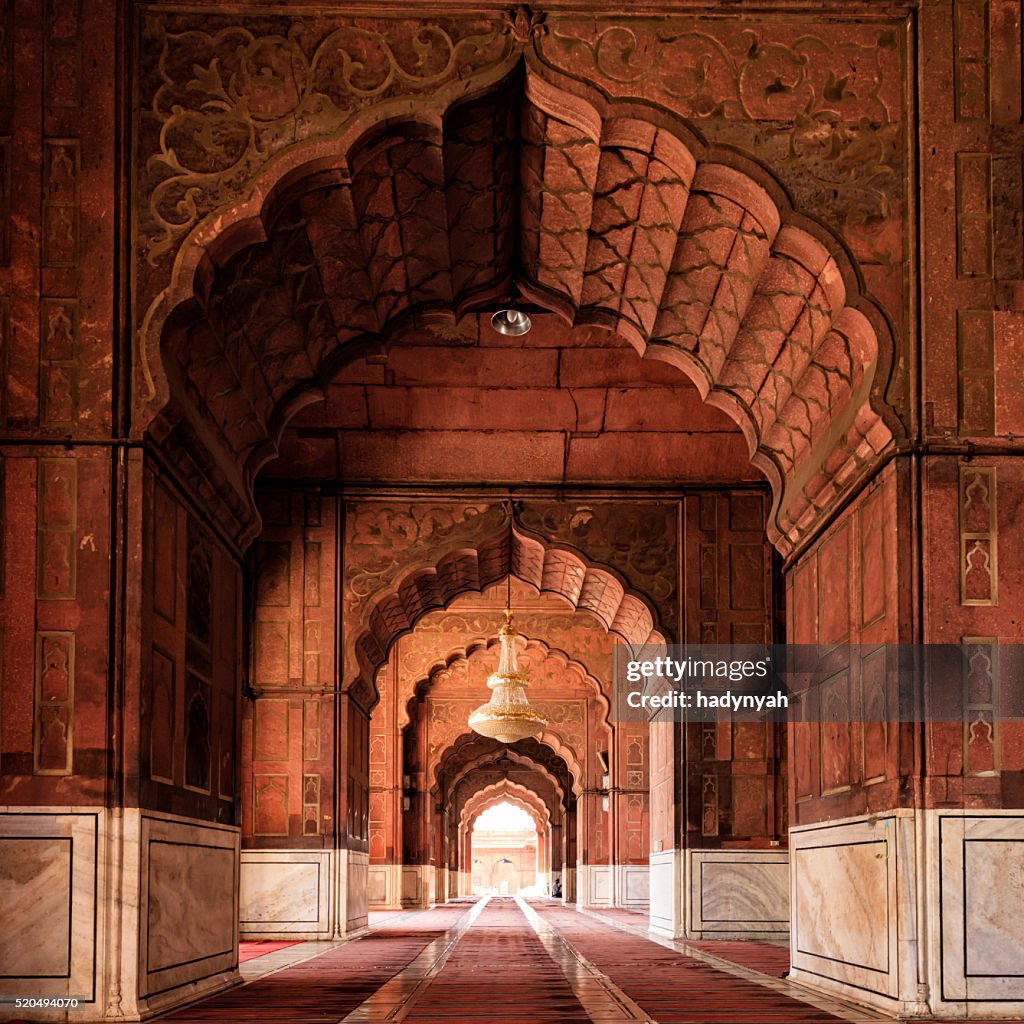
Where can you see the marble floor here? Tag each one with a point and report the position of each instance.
(510, 961)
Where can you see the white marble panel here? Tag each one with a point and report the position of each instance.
(594, 881)
(853, 895)
(843, 909)
(48, 867)
(738, 893)
(188, 902)
(634, 886)
(414, 886)
(665, 877)
(380, 886)
(285, 893)
(979, 882)
(355, 865)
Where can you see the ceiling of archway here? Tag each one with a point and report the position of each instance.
(467, 405)
(597, 201)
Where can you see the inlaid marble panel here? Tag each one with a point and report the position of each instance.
(354, 867)
(594, 881)
(739, 892)
(188, 902)
(852, 891)
(285, 892)
(980, 884)
(665, 893)
(48, 862)
(634, 886)
(36, 893)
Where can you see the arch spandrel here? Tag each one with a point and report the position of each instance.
(711, 270)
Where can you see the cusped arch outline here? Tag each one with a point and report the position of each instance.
(604, 212)
(463, 654)
(548, 568)
(504, 791)
(457, 748)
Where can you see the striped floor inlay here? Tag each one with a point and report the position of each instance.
(498, 972)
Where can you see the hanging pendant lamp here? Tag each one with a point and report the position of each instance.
(507, 716)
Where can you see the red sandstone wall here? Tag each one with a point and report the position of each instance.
(288, 733)
(55, 731)
(57, 144)
(732, 789)
(974, 561)
(188, 718)
(848, 589)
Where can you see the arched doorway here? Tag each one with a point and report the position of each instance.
(504, 851)
(324, 285)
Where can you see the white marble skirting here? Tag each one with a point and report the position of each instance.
(286, 894)
(737, 894)
(353, 910)
(975, 886)
(665, 878)
(916, 913)
(384, 886)
(130, 912)
(594, 885)
(853, 900)
(632, 886)
(50, 886)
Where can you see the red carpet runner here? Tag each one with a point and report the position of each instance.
(331, 985)
(499, 973)
(672, 988)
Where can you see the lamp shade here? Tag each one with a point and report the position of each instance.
(512, 322)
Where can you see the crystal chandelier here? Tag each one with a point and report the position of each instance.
(507, 716)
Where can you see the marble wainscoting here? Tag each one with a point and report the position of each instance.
(569, 884)
(854, 910)
(51, 884)
(353, 909)
(738, 894)
(665, 877)
(286, 894)
(632, 886)
(417, 885)
(186, 917)
(594, 885)
(384, 886)
(975, 922)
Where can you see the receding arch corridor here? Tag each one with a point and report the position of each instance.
(504, 960)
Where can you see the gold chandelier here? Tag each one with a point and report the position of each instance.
(507, 716)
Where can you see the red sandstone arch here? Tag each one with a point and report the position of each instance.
(493, 751)
(504, 791)
(496, 793)
(550, 569)
(453, 657)
(605, 213)
(489, 757)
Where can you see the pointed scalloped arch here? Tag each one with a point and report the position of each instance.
(574, 773)
(583, 584)
(505, 791)
(465, 653)
(603, 212)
